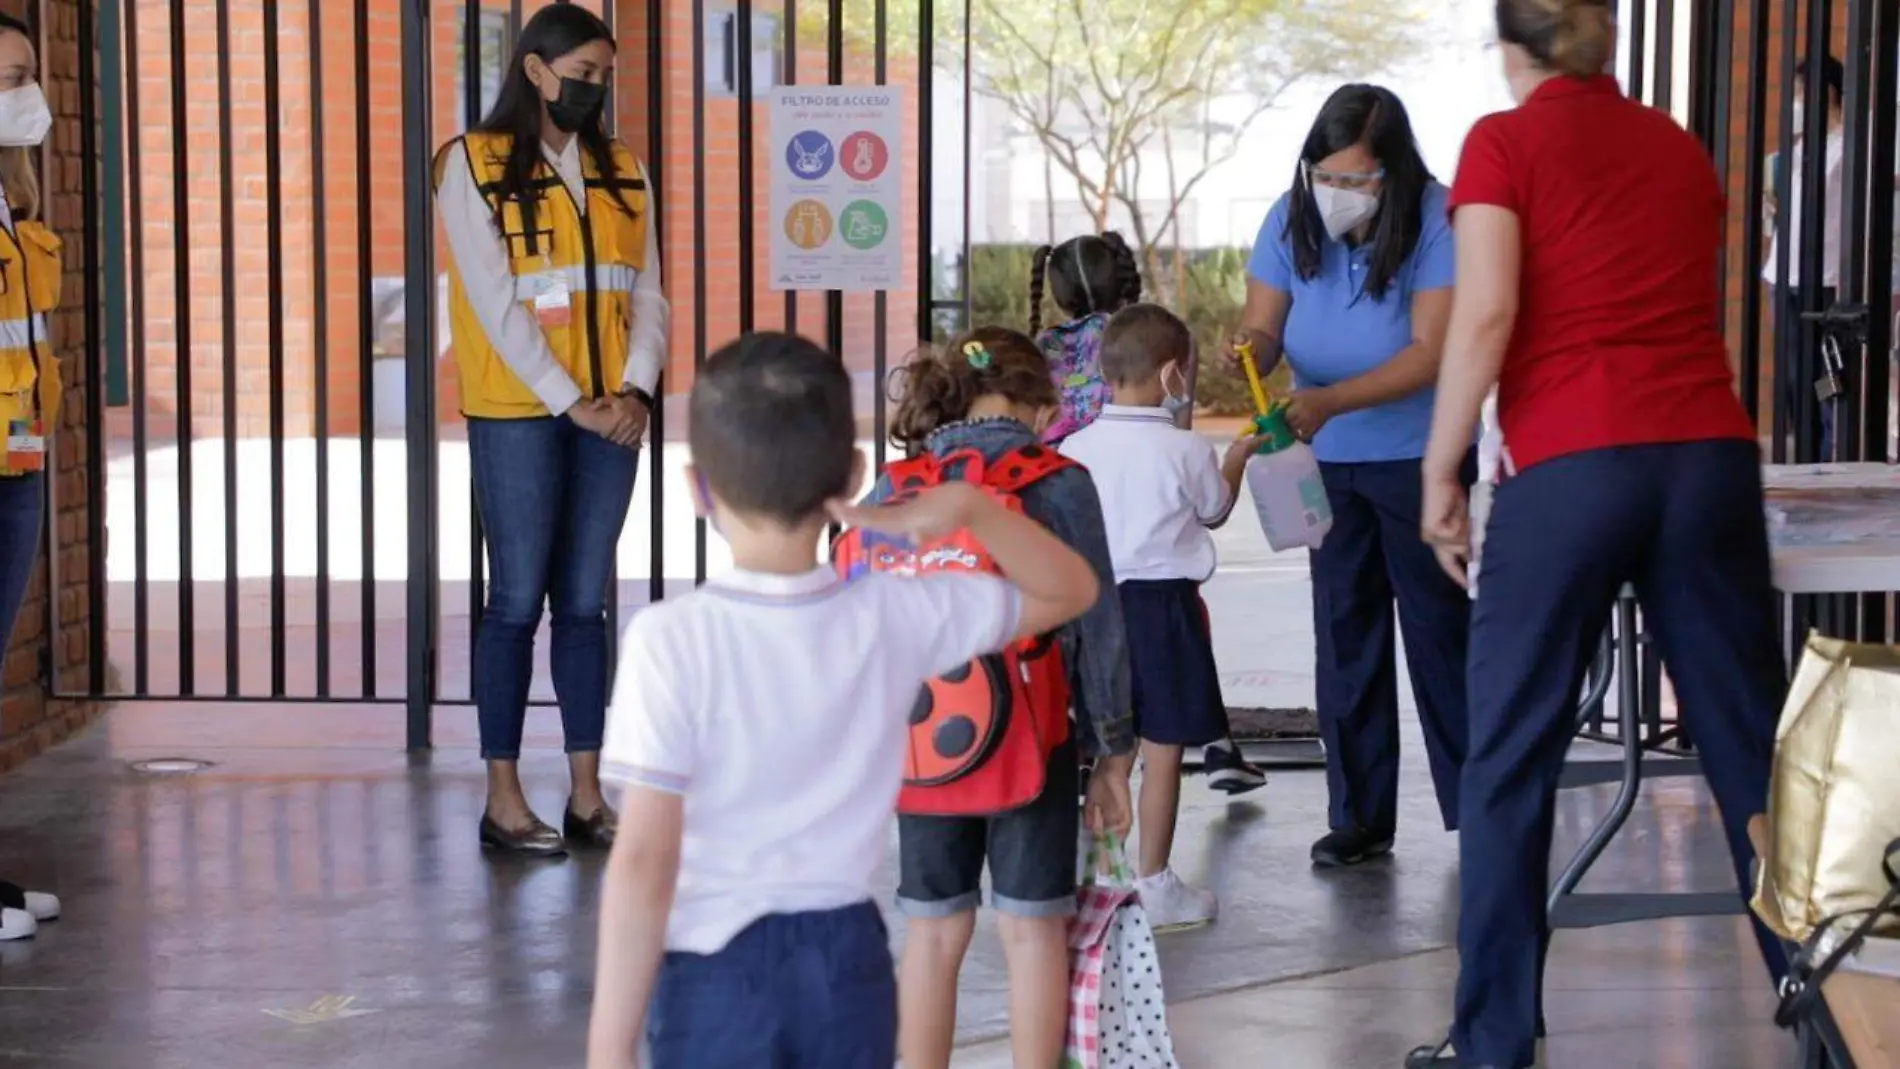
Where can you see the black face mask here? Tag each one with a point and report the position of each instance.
(578, 106)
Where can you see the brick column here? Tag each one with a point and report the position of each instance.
(29, 720)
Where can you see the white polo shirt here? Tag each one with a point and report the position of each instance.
(1160, 487)
(777, 706)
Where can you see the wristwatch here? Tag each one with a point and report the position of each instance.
(639, 395)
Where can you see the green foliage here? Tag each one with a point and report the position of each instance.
(1215, 291)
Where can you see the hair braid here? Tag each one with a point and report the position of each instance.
(1127, 269)
(1038, 271)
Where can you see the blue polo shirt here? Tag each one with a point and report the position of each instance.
(1336, 331)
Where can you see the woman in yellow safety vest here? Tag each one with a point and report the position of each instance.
(29, 369)
(560, 331)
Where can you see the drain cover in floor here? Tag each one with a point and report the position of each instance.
(1256, 724)
(170, 766)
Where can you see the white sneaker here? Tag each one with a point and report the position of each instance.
(17, 924)
(1172, 905)
(42, 906)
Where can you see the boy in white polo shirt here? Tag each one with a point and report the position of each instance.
(758, 727)
(1162, 489)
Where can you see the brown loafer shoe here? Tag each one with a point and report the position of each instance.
(596, 831)
(535, 839)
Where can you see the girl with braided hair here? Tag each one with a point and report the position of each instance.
(1091, 278)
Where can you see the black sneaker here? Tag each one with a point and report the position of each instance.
(1350, 846)
(1441, 1056)
(1228, 771)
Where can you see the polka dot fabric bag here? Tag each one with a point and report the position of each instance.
(1117, 1014)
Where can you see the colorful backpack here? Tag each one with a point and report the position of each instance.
(980, 736)
(1074, 352)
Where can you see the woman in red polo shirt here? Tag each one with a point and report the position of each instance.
(1588, 232)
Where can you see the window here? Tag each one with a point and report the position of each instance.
(493, 44)
(722, 53)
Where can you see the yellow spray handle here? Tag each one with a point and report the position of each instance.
(1244, 349)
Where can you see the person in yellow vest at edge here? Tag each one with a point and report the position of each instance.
(560, 331)
(29, 370)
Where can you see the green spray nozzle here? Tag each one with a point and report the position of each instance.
(1272, 427)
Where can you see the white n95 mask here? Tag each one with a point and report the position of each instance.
(1343, 210)
(24, 116)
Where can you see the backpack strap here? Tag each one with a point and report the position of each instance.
(1019, 468)
(909, 477)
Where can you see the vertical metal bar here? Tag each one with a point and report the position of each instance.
(880, 306)
(656, 155)
(1857, 117)
(1813, 222)
(1639, 48)
(747, 165)
(699, 260)
(612, 121)
(514, 21)
(1883, 92)
(1787, 329)
(969, 144)
(419, 387)
(135, 200)
(1754, 145)
(365, 361)
(227, 230)
(471, 118)
(181, 267)
(926, 113)
(1714, 25)
(112, 79)
(274, 281)
(1665, 54)
(834, 75)
(96, 387)
(320, 340)
(791, 78)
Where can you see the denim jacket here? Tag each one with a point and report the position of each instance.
(1094, 647)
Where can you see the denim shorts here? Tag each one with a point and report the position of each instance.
(792, 991)
(1031, 854)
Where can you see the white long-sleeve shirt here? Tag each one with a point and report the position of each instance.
(481, 255)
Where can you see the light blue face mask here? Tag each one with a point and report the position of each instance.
(706, 503)
(1173, 402)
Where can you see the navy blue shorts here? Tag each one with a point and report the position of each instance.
(791, 991)
(1171, 663)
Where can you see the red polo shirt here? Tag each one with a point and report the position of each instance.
(1618, 338)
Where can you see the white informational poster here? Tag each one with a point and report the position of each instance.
(837, 188)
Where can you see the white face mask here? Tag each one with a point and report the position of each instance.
(1175, 403)
(24, 116)
(1343, 210)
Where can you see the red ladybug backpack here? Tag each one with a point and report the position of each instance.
(980, 736)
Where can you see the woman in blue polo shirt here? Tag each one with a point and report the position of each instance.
(1351, 284)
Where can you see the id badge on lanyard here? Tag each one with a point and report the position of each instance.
(553, 298)
(26, 445)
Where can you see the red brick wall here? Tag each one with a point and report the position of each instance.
(29, 721)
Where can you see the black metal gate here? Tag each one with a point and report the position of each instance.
(279, 497)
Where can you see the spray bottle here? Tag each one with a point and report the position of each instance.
(1283, 476)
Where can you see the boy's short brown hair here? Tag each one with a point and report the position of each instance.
(773, 433)
(1140, 340)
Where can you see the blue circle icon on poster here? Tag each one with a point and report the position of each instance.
(810, 156)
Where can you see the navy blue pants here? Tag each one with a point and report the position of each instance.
(1685, 524)
(791, 991)
(1372, 557)
(553, 498)
(22, 503)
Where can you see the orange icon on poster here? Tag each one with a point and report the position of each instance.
(808, 225)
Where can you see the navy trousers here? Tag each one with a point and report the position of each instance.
(1372, 557)
(1684, 523)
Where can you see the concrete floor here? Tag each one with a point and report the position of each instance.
(313, 861)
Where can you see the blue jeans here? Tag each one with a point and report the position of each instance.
(22, 503)
(553, 498)
(791, 991)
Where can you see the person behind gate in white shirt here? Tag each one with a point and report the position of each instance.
(560, 333)
(1162, 489)
(759, 728)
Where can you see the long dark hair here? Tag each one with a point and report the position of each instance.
(1372, 116)
(553, 32)
(1088, 274)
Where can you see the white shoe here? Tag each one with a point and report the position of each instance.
(1172, 905)
(17, 924)
(42, 906)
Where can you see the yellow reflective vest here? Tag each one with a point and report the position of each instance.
(595, 257)
(30, 274)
